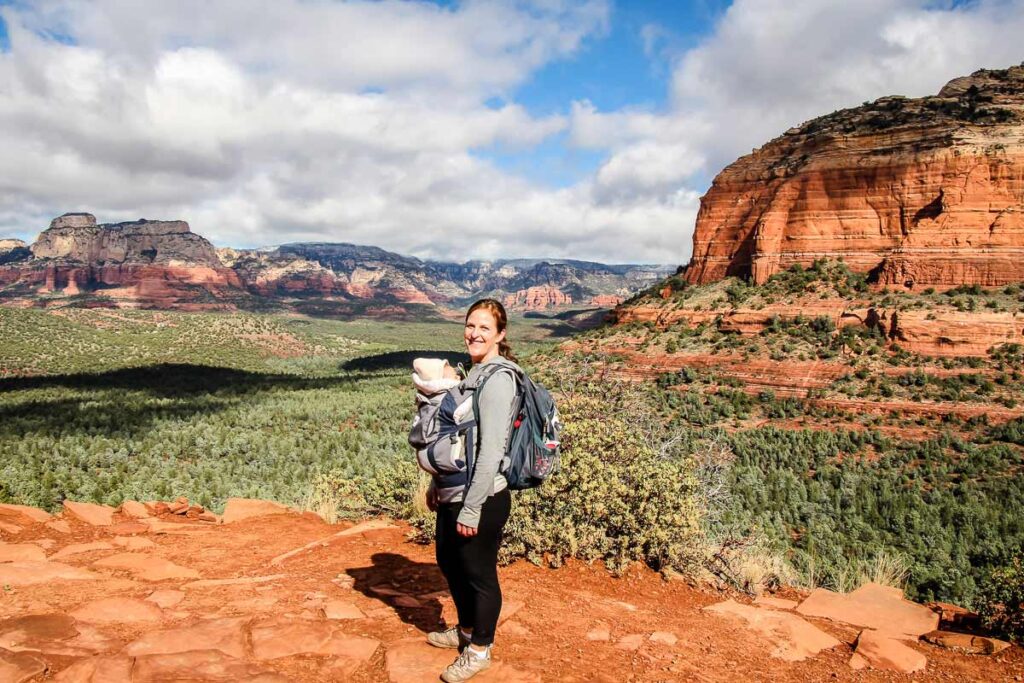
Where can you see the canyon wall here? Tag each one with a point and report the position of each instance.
(926, 191)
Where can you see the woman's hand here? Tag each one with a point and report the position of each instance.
(432, 498)
(465, 530)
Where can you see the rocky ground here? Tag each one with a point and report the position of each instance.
(170, 593)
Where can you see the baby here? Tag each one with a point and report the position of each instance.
(433, 376)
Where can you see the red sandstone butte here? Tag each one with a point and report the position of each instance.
(537, 298)
(917, 191)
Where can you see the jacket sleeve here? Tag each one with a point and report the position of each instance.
(495, 422)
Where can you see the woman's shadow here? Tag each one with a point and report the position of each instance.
(412, 589)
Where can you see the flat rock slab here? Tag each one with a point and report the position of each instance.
(29, 631)
(165, 598)
(129, 528)
(79, 548)
(134, 509)
(879, 650)
(118, 611)
(965, 642)
(156, 526)
(413, 661)
(226, 635)
(775, 603)
(25, 513)
(18, 667)
(664, 638)
(872, 606)
(133, 542)
(368, 525)
(237, 581)
(630, 641)
(60, 526)
(321, 638)
(147, 567)
(21, 552)
(237, 509)
(106, 669)
(600, 632)
(30, 573)
(340, 609)
(90, 513)
(201, 665)
(792, 639)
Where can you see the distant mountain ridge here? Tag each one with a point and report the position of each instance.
(164, 264)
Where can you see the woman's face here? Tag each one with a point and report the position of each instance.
(482, 336)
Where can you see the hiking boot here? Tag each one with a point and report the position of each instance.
(451, 638)
(466, 666)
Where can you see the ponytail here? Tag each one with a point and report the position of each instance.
(505, 350)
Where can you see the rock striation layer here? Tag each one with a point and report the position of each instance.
(926, 191)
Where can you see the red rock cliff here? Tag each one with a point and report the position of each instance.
(917, 191)
(151, 263)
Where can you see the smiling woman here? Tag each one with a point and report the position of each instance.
(470, 524)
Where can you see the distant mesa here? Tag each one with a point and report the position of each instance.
(926, 191)
(163, 264)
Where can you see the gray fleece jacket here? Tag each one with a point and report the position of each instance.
(496, 401)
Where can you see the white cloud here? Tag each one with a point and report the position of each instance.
(274, 121)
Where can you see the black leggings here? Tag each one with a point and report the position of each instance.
(470, 564)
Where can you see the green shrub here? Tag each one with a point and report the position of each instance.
(615, 499)
(1002, 599)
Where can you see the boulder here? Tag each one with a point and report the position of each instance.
(878, 650)
(90, 513)
(872, 606)
(238, 509)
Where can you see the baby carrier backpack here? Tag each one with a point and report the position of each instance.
(445, 436)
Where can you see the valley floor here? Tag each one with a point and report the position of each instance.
(246, 607)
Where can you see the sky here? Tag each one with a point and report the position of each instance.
(449, 130)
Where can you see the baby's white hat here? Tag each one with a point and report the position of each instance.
(429, 368)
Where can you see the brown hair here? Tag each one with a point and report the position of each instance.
(494, 307)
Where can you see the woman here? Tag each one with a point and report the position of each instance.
(469, 527)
